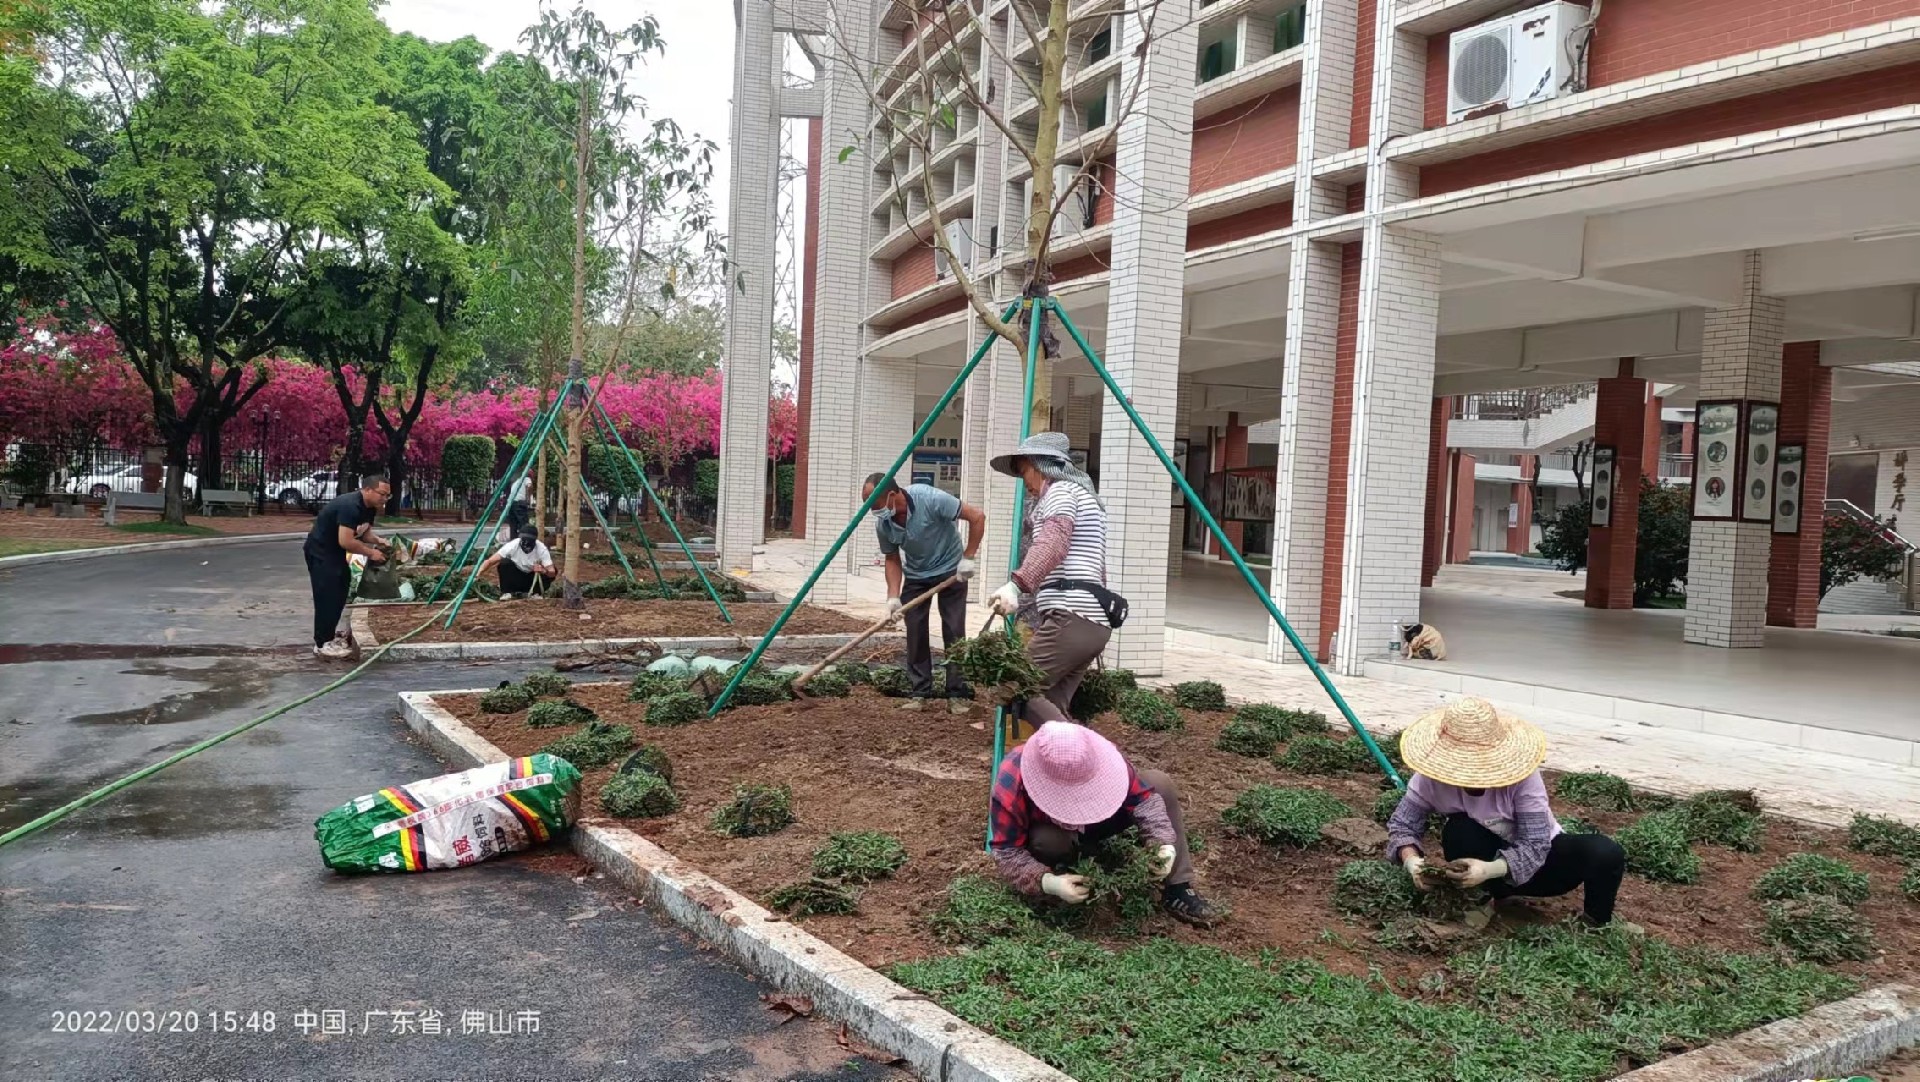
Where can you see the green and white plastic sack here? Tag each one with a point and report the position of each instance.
(452, 820)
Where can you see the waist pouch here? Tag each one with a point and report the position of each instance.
(1111, 603)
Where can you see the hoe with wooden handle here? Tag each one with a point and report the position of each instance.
(799, 682)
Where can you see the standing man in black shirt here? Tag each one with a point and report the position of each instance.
(344, 525)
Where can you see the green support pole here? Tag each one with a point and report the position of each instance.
(668, 519)
(520, 456)
(638, 528)
(1019, 517)
(542, 426)
(959, 381)
(1253, 583)
(595, 508)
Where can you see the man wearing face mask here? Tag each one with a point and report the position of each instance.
(519, 561)
(921, 543)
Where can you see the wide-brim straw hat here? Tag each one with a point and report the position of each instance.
(1470, 744)
(1054, 445)
(1073, 774)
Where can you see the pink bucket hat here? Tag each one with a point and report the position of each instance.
(1075, 775)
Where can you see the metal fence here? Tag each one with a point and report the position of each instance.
(1520, 405)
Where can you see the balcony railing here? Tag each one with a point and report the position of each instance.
(1672, 465)
(1521, 405)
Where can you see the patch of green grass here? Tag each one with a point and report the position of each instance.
(675, 708)
(1200, 695)
(1373, 891)
(639, 794)
(1879, 836)
(979, 909)
(1248, 738)
(14, 546)
(506, 700)
(1324, 755)
(1910, 884)
(556, 713)
(1605, 792)
(814, 898)
(648, 685)
(1282, 816)
(1806, 874)
(651, 758)
(1549, 1004)
(855, 672)
(1144, 709)
(154, 526)
(1100, 692)
(828, 685)
(594, 746)
(754, 810)
(546, 685)
(761, 689)
(1657, 848)
(1121, 887)
(1723, 817)
(996, 662)
(890, 680)
(1819, 929)
(1573, 824)
(859, 856)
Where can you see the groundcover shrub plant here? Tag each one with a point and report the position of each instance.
(1604, 792)
(859, 856)
(1657, 847)
(754, 810)
(594, 746)
(1283, 816)
(555, 713)
(1200, 695)
(546, 685)
(1100, 691)
(1805, 875)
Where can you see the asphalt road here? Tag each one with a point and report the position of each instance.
(200, 891)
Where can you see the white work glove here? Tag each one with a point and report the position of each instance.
(1415, 865)
(1071, 889)
(1478, 872)
(1163, 861)
(964, 570)
(893, 607)
(1006, 600)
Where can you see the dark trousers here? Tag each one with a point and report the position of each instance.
(1057, 848)
(1591, 860)
(328, 575)
(513, 580)
(952, 603)
(1063, 645)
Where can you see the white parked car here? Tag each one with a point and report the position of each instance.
(121, 479)
(310, 491)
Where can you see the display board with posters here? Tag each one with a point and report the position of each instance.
(1716, 465)
(1603, 473)
(1247, 495)
(1756, 479)
(1787, 482)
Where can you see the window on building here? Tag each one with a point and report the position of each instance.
(1216, 60)
(1097, 112)
(1101, 46)
(1290, 29)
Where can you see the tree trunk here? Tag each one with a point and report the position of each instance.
(209, 475)
(356, 448)
(397, 473)
(576, 364)
(175, 511)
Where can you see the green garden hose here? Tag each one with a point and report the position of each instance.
(111, 788)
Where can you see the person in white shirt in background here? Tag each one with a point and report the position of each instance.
(519, 561)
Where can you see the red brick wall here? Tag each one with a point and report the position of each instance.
(1345, 344)
(1247, 223)
(1460, 532)
(1520, 533)
(1434, 551)
(1806, 417)
(1843, 96)
(1356, 198)
(1362, 77)
(1079, 267)
(1103, 177)
(1620, 422)
(913, 271)
(809, 289)
(1246, 141)
(1643, 37)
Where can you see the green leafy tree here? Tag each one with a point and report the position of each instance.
(174, 164)
(1665, 536)
(1852, 548)
(466, 464)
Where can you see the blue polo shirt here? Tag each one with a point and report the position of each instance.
(928, 543)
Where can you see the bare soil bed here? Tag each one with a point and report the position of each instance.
(861, 763)
(543, 620)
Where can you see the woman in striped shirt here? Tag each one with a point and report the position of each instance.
(1064, 569)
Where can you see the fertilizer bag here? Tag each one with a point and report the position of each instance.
(452, 820)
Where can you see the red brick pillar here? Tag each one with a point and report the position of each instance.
(809, 289)
(1620, 421)
(1233, 456)
(1655, 438)
(1460, 528)
(1520, 530)
(1806, 409)
(1434, 553)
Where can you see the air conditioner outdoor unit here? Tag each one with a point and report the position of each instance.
(1512, 61)
(960, 242)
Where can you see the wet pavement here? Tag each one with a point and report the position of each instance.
(200, 891)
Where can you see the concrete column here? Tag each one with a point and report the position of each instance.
(809, 291)
(1177, 517)
(1146, 296)
(1620, 412)
(1233, 456)
(887, 420)
(840, 299)
(1331, 299)
(1460, 517)
(747, 374)
(1326, 103)
(1398, 328)
(1740, 357)
(1520, 530)
(1433, 551)
(1806, 418)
